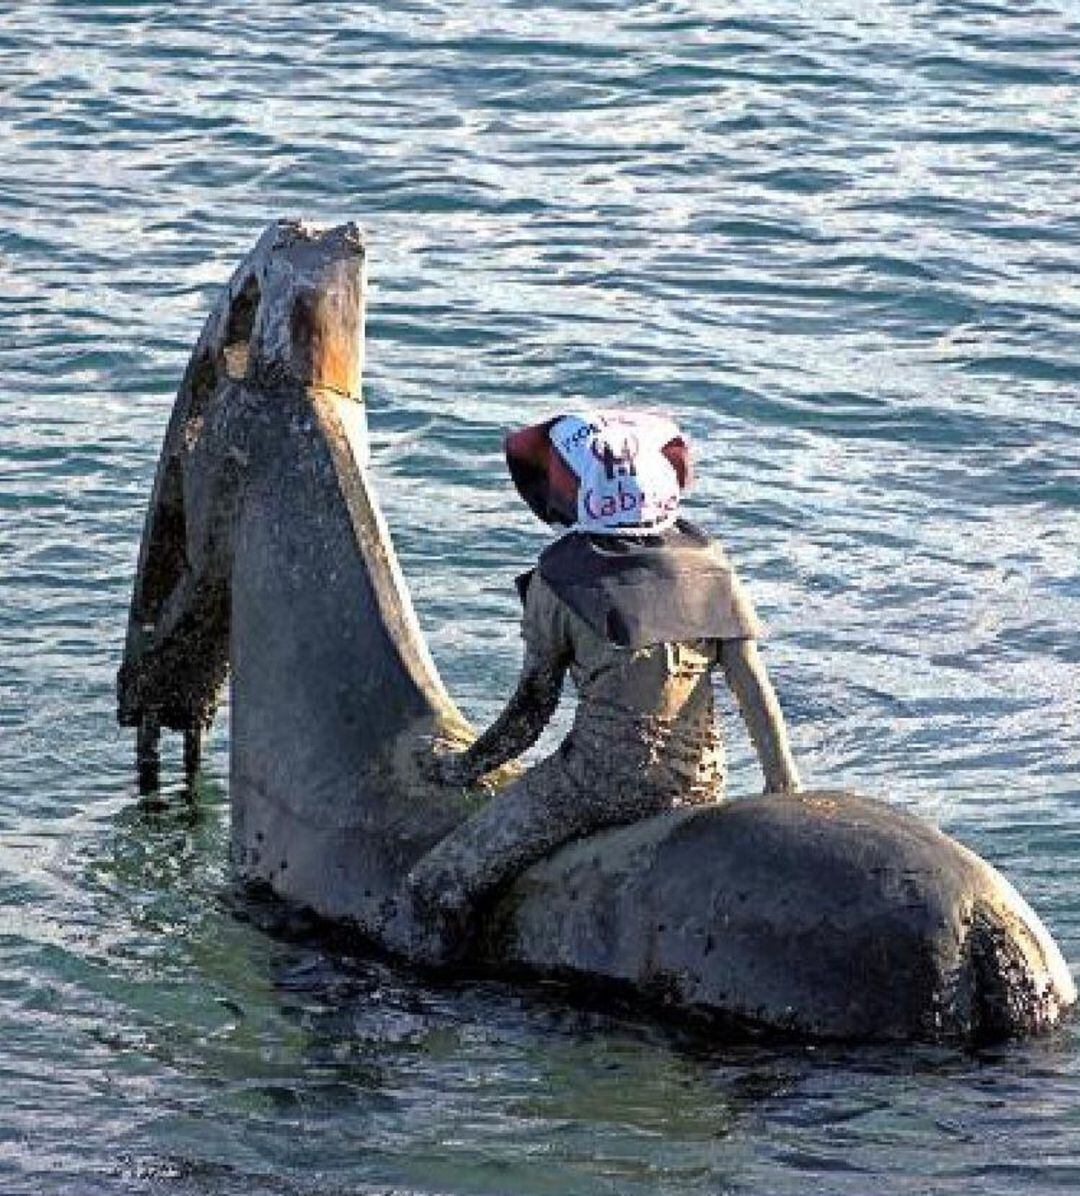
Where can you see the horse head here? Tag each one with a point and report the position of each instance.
(291, 317)
(265, 558)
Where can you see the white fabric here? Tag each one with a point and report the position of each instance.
(626, 483)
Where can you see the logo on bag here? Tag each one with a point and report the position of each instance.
(625, 481)
(617, 465)
(625, 501)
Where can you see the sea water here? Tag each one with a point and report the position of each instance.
(841, 243)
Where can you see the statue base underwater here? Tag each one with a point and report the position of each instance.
(265, 559)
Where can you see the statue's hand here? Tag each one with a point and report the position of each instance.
(452, 770)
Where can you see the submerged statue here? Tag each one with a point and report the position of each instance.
(265, 558)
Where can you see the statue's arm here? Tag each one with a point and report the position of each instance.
(525, 715)
(548, 652)
(745, 673)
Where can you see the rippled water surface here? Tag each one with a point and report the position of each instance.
(842, 243)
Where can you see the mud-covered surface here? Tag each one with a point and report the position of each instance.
(871, 934)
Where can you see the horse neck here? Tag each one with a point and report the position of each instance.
(329, 668)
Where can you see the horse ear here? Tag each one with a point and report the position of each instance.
(677, 453)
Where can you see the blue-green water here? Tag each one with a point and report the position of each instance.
(842, 243)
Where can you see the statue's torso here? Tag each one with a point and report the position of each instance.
(645, 716)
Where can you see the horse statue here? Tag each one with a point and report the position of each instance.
(265, 559)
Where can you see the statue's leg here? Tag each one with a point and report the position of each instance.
(525, 822)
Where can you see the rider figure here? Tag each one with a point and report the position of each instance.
(640, 606)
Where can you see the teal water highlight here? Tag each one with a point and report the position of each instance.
(842, 245)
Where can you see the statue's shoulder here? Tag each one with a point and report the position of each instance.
(564, 556)
(560, 559)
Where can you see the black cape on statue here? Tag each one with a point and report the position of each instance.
(671, 586)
